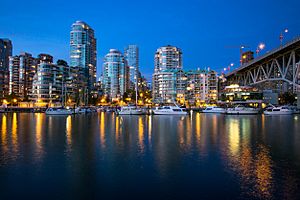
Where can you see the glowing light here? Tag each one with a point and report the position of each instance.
(261, 46)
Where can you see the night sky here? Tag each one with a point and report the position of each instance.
(202, 29)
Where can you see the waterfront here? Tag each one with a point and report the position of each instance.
(101, 155)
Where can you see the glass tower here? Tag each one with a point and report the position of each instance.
(115, 74)
(83, 51)
(131, 54)
(5, 52)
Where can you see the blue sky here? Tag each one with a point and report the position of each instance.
(202, 29)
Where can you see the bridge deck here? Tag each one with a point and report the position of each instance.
(269, 55)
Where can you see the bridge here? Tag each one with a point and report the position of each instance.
(276, 70)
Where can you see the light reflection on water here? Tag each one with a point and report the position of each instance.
(258, 155)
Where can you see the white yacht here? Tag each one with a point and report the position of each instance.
(60, 111)
(214, 109)
(282, 110)
(169, 110)
(242, 110)
(131, 110)
(294, 109)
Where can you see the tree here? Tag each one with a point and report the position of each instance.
(62, 62)
(287, 98)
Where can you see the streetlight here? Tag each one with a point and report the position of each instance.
(229, 66)
(260, 47)
(281, 35)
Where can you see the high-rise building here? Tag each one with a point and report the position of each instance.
(5, 52)
(131, 54)
(83, 51)
(167, 74)
(115, 74)
(22, 69)
(168, 57)
(53, 83)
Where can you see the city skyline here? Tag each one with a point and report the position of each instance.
(204, 33)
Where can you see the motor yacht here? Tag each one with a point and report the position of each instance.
(214, 109)
(130, 110)
(169, 110)
(60, 111)
(282, 110)
(242, 110)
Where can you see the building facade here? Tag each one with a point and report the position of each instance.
(131, 54)
(164, 86)
(83, 51)
(5, 53)
(22, 69)
(191, 87)
(166, 80)
(167, 57)
(115, 75)
(47, 83)
(55, 83)
(201, 86)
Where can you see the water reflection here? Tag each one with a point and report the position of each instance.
(263, 173)
(141, 134)
(254, 167)
(69, 134)
(39, 118)
(149, 129)
(198, 129)
(256, 160)
(4, 141)
(102, 129)
(234, 137)
(14, 135)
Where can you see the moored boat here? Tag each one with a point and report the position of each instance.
(130, 110)
(281, 110)
(242, 110)
(60, 111)
(214, 109)
(169, 110)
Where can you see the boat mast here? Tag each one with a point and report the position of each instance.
(136, 89)
(62, 93)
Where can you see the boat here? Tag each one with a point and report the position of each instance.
(130, 110)
(295, 109)
(242, 110)
(60, 111)
(110, 109)
(281, 110)
(214, 109)
(169, 110)
(86, 110)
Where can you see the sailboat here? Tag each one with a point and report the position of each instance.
(132, 110)
(62, 110)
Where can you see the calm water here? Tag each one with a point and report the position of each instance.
(104, 156)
